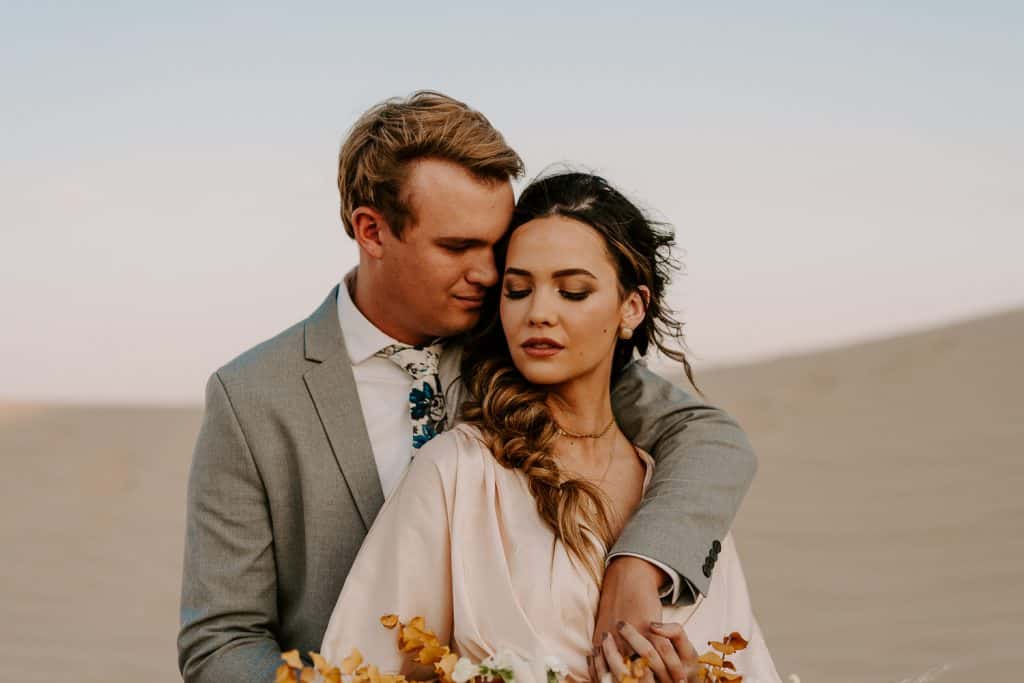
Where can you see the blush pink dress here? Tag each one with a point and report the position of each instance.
(460, 543)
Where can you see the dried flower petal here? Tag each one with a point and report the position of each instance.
(639, 667)
(710, 658)
(292, 659)
(389, 620)
(731, 643)
(352, 662)
(431, 653)
(446, 666)
(737, 641)
(319, 662)
(284, 674)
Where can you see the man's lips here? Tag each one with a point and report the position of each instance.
(470, 301)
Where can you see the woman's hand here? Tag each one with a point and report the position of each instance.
(629, 592)
(670, 656)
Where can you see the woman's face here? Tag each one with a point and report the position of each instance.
(560, 303)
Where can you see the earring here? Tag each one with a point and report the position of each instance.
(625, 333)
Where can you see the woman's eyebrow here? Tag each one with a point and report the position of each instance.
(565, 272)
(573, 271)
(518, 271)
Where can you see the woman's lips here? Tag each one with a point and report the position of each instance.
(541, 348)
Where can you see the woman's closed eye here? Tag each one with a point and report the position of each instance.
(564, 293)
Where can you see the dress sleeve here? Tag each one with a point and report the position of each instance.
(403, 568)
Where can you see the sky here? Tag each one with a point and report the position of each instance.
(167, 182)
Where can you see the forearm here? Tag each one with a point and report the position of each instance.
(232, 658)
(705, 465)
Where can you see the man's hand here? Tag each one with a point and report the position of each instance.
(629, 593)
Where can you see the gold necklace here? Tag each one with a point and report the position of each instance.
(573, 435)
(608, 467)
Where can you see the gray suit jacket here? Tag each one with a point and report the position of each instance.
(284, 487)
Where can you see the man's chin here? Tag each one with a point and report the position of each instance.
(459, 322)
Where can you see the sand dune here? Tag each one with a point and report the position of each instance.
(882, 535)
(881, 539)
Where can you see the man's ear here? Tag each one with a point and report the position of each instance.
(367, 226)
(634, 307)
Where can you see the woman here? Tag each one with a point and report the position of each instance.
(497, 534)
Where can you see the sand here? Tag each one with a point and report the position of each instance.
(881, 539)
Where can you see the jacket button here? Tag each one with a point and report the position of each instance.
(707, 570)
(716, 547)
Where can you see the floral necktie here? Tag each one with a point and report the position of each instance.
(426, 399)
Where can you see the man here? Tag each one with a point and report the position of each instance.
(304, 435)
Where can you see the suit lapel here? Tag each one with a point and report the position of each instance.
(332, 388)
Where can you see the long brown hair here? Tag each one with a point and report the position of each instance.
(514, 415)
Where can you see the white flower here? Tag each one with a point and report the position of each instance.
(556, 669)
(464, 670)
(606, 677)
(556, 666)
(502, 659)
(508, 665)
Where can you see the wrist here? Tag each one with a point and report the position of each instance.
(638, 571)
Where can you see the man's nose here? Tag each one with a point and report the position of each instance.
(483, 272)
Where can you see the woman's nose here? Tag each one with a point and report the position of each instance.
(542, 309)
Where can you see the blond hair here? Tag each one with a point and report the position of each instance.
(374, 159)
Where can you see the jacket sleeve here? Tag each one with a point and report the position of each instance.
(705, 465)
(229, 580)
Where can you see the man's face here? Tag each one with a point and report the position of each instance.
(439, 270)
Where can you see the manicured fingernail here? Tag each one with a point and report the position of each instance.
(605, 635)
(620, 625)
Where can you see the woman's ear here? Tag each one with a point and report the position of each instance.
(367, 226)
(634, 307)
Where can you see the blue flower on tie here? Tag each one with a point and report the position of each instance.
(426, 433)
(421, 400)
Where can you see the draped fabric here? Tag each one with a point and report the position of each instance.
(460, 543)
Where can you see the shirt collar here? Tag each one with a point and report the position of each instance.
(362, 338)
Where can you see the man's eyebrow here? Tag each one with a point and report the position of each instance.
(462, 241)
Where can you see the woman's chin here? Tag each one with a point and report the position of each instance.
(538, 373)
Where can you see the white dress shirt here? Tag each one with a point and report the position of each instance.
(384, 388)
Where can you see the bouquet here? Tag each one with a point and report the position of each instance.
(425, 648)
